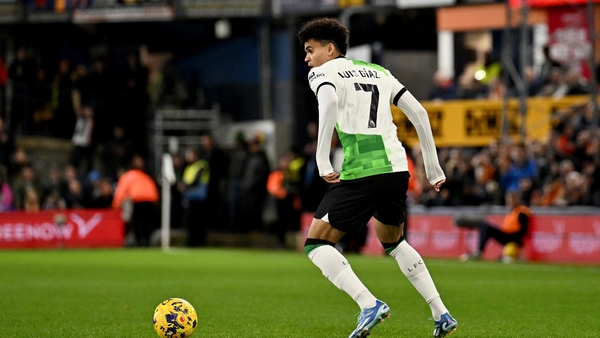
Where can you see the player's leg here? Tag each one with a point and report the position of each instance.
(319, 247)
(389, 222)
(345, 208)
(411, 264)
(413, 267)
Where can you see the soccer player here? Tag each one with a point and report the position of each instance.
(354, 97)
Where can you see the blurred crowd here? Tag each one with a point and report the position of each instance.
(483, 79)
(48, 99)
(564, 171)
(229, 189)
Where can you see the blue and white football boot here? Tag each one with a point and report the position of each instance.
(369, 318)
(446, 325)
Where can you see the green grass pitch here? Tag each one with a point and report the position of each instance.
(254, 293)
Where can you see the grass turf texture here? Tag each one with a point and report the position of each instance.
(247, 293)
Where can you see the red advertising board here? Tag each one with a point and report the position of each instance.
(66, 228)
(553, 238)
(547, 3)
(566, 239)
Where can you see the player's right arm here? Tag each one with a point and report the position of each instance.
(327, 97)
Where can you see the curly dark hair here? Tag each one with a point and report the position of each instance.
(325, 30)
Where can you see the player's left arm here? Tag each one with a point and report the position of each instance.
(417, 115)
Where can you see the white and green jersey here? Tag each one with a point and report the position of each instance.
(354, 97)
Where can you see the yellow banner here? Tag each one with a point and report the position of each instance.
(474, 123)
(350, 3)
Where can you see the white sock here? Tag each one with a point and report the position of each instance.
(337, 269)
(414, 269)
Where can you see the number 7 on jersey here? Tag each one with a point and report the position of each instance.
(374, 100)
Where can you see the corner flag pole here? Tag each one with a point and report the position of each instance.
(167, 179)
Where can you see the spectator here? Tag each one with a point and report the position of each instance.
(254, 185)
(25, 189)
(544, 157)
(6, 194)
(414, 185)
(52, 182)
(64, 116)
(41, 98)
(82, 157)
(118, 152)
(19, 160)
(138, 188)
(22, 73)
(314, 186)
(101, 98)
(556, 193)
(550, 194)
(135, 100)
(176, 195)
(594, 177)
(76, 197)
(102, 195)
(284, 185)
(460, 179)
(3, 82)
(514, 227)
(471, 89)
(576, 83)
(218, 162)
(576, 191)
(81, 88)
(443, 88)
(522, 166)
(556, 86)
(566, 142)
(194, 187)
(238, 156)
(545, 74)
(69, 173)
(485, 174)
(7, 145)
(54, 201)
(31, 202)
(581, 155)
(277, 187)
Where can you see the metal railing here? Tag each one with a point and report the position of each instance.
(174, 128)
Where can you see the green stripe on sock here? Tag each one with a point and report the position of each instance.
(390, 249)
(309, 248)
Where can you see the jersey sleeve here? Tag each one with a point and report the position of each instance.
(397, 90)
(321, 83)
(319, 77)
(420, 120)
(328, 102)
